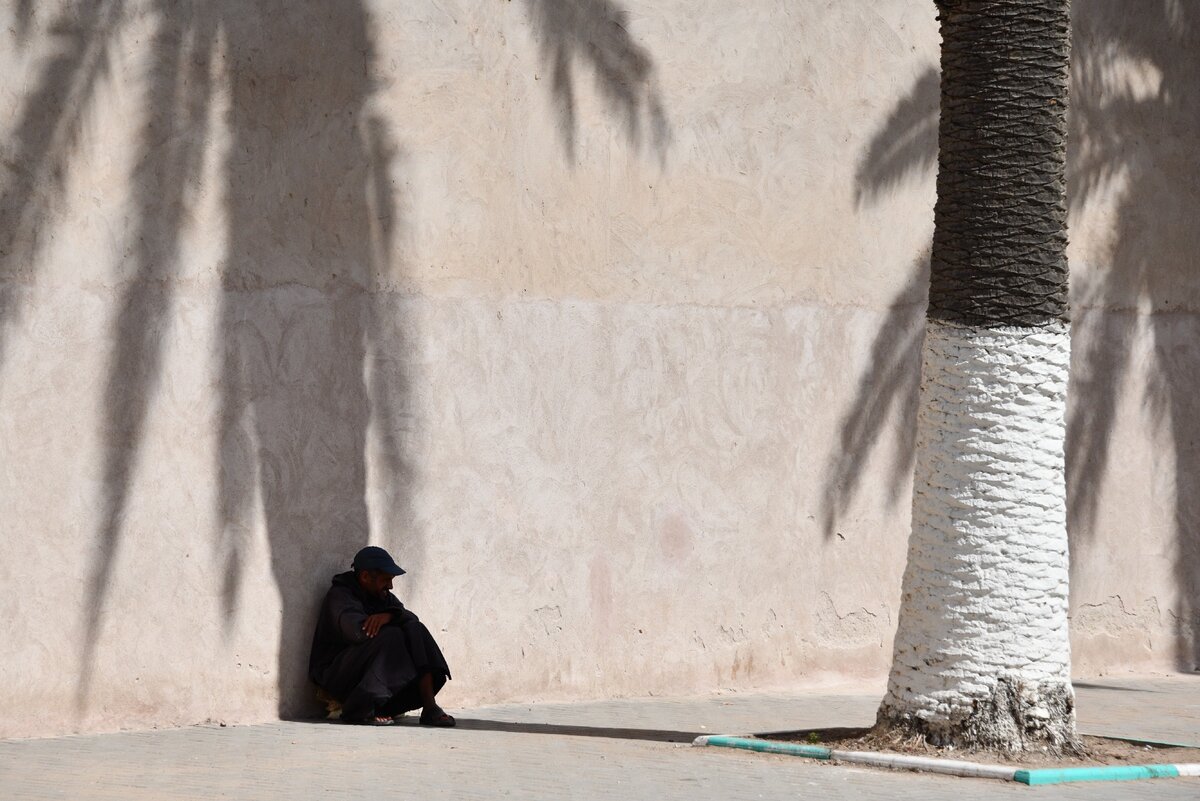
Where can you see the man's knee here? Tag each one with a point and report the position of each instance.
(386, 639)
(389, 634)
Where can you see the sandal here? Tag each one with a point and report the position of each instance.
(438, 718)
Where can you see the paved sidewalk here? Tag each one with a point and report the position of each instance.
(627, 749)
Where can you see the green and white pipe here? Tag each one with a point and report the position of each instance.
(953, 767)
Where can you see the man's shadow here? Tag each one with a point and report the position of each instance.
(605, 732)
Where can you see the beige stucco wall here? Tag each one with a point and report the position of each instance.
(602, 316)
(1134, 430)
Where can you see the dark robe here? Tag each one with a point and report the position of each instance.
(371, 675)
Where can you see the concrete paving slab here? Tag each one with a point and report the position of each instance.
(636, 748)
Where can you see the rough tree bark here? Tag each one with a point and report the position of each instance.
(982, 658)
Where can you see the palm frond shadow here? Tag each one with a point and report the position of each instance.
(885, 403)
(23, 17)
(1140, 139)
(1136, 137)
(48, 136)
(295, 409)
(312, 338)
(596, 32)
(177, 96)
(905, 147)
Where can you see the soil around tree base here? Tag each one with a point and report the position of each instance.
(1091, 752)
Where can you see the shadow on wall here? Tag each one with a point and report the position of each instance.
(306, 312)
(903, 149)
(46, 137)
(1138, 138)
(302, 319)
(905, 146)
(596, 32)
(23, 16)
(304, 316)
(886, 393)
(1141, 137)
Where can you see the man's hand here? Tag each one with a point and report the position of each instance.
(375, 622)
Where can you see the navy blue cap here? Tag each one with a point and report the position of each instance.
(375, 558)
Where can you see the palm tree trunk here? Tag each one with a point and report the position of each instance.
(982, 657)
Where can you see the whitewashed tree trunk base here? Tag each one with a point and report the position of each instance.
(982, 655)
(1015, 717)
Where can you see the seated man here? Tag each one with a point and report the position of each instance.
(371, 653)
